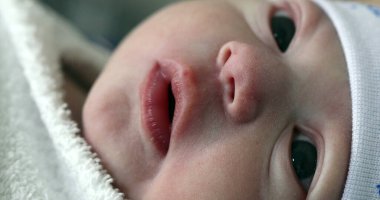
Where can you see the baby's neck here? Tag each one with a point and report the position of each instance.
(75, 96)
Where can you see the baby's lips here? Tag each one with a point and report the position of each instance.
(154, 109)
(155, 103)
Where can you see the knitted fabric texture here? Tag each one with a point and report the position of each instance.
(358, 27)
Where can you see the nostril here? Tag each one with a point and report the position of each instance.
(231, 89)
(224, 55)
(227, 55)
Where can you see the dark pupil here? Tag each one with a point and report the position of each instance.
(304, 159)
(283, 30)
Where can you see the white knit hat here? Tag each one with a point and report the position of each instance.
(358, 27)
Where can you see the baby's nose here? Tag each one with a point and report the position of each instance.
(242, 73)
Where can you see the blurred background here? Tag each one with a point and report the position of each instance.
(105, 21)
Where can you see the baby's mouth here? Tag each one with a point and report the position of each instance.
(168, 98)
(158, 105)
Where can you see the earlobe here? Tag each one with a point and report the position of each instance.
(224, 54)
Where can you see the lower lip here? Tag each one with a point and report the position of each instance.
(155, 114)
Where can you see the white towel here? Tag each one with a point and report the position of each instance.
(41, 155)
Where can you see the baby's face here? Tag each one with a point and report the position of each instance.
(199, 102)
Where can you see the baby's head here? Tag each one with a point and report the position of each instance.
(226, 100)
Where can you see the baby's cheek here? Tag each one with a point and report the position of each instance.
(101, 128)
(101, 117)
(230, 168)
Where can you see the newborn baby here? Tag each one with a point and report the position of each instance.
(225, 100)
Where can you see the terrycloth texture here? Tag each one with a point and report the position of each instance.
(41, 155)
(358, 27)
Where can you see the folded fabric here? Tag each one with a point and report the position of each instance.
(41, 154)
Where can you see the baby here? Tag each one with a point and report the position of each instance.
(235, 99)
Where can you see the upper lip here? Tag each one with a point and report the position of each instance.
(154, 96)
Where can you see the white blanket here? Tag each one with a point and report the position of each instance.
(41, 155)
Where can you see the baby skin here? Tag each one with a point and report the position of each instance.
(236, 99)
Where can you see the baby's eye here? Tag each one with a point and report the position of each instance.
(283, 29)
(303, 156)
